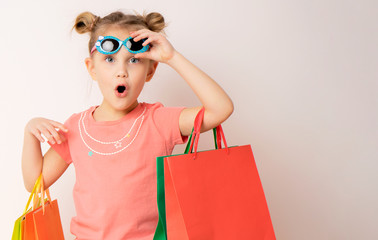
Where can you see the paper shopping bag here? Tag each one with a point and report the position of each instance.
(46, 225)
(161, 229)
(17, 231)
(215, 194)
(19, 225)
(42, 222)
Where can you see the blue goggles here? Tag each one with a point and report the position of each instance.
(111, 45)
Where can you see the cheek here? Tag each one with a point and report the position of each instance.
(104, 82)
(104, 88)
(138, 71)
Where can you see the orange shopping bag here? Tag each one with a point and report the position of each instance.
(42, 221)
(213, 195)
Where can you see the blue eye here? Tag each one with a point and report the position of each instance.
(134, 60)
(108, 58)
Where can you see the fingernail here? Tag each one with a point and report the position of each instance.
(59, 142)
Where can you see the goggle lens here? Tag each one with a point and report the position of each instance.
(109, 45)
(134, 46)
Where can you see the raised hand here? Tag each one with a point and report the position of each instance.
(161, 50)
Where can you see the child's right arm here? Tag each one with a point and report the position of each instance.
(33, 162)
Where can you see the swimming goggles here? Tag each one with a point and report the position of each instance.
(110, 45)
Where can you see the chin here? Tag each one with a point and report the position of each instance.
(124, 106)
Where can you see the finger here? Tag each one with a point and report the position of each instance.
(143, 55)
(59, 125)
(54, 133)
(143, 36)
(46, 134)
(62, 137)
(138, 32)
(150, 40)
(38, 135)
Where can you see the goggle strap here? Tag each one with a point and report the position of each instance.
(93, 49)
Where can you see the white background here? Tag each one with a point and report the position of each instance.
(302, 75)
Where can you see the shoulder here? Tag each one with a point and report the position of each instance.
(166, 121)
(152, 106)
(75, 117)
(157, 109)
(164, 117)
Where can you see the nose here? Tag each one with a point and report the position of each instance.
(122, 71)
(122, 74)
(123, 56)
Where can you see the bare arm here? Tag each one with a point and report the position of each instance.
(33, 162)
(218, 106)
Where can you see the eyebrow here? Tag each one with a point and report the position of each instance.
(128, 56)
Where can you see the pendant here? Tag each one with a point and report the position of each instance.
(90, 153)
(118, 144)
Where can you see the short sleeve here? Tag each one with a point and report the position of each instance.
(167, 121)
(63, 149)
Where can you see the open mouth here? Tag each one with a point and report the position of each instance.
(121, 88)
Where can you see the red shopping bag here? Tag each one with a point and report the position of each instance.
(215, 194)
(42, 222)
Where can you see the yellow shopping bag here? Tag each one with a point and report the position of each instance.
(42, 221)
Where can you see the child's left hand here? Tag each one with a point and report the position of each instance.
(160, 50)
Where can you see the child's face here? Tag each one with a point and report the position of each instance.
(120, 69)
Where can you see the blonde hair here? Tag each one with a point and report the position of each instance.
(95, 25)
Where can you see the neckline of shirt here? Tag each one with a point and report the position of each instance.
(131, 115)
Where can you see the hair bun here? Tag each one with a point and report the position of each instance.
(155, 21)
(85, 22)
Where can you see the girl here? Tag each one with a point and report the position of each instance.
(114, 145)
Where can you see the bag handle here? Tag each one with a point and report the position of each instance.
(38, 189)
(218, 137)
(43, 192)
(194, 136)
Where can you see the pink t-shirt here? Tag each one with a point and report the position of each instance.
(115, 165)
